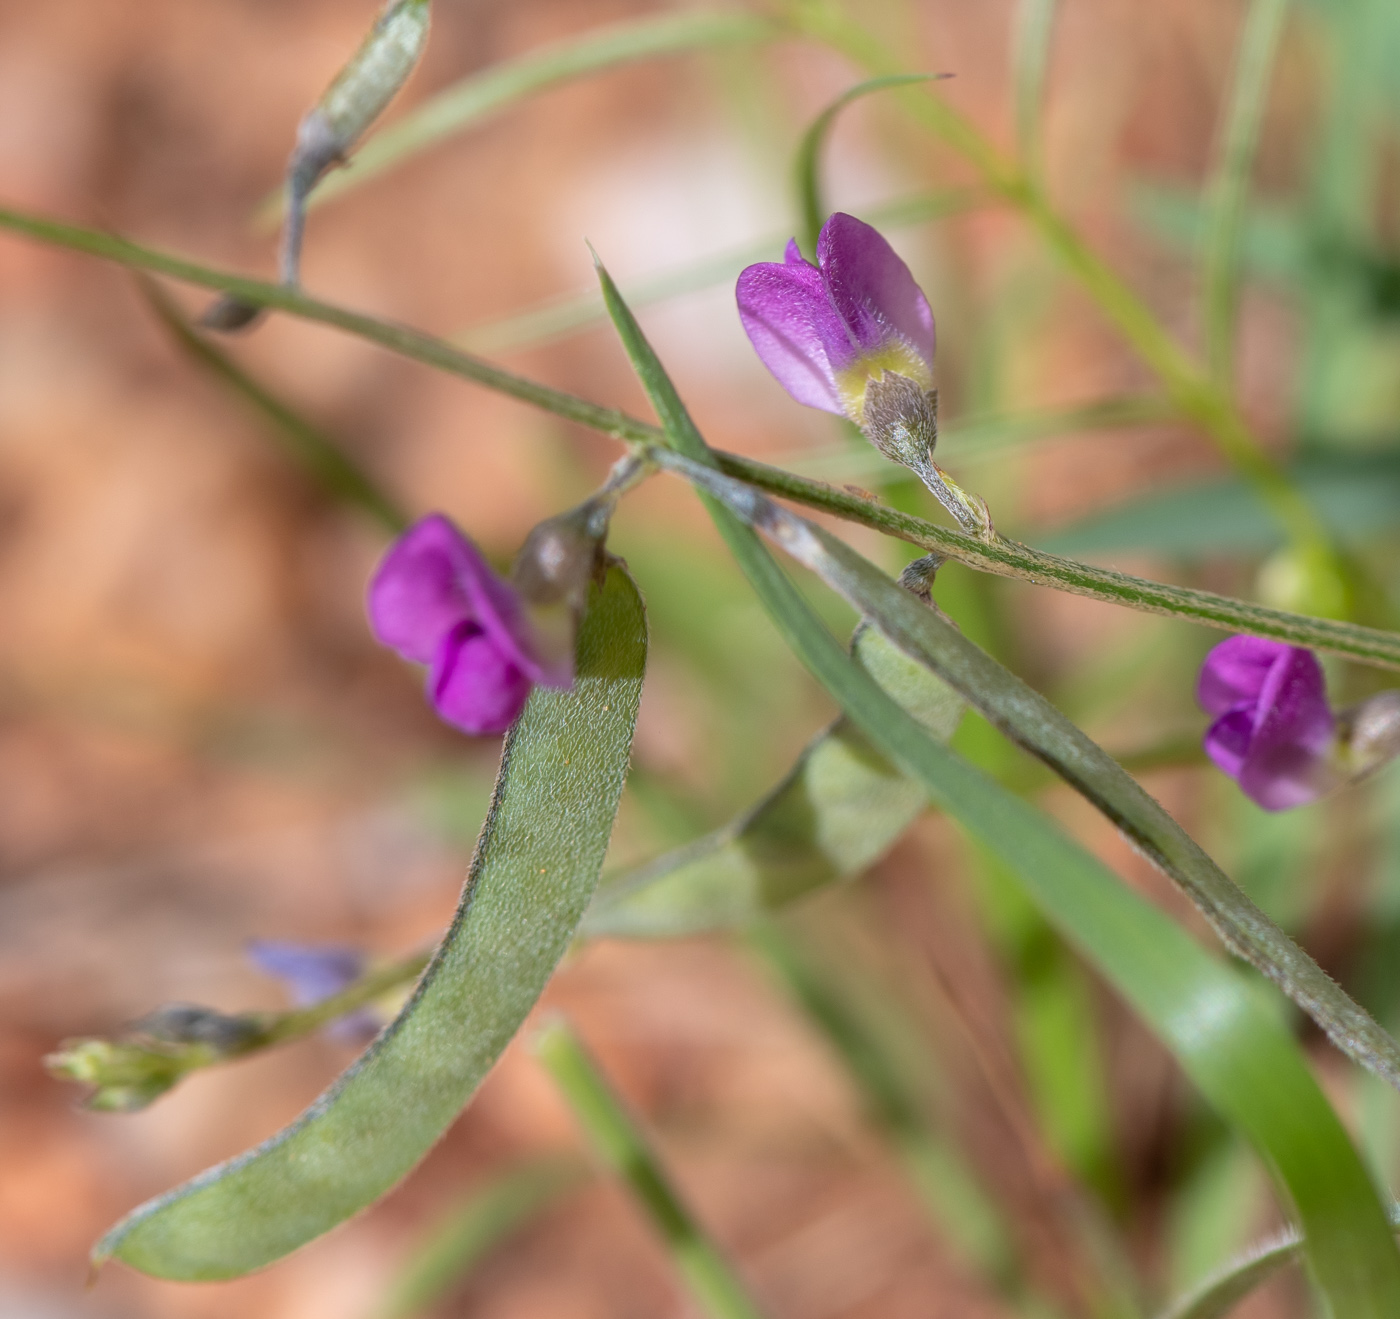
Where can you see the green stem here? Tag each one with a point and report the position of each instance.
(1002, 557)
(131, 1072)
(620, 1144)
(1009, 558)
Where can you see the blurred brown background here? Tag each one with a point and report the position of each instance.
(200, 744)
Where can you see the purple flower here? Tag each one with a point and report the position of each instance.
(314, 973)
(437, 602)
(1274, 731)
(826, 331)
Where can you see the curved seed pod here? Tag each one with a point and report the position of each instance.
(841, 807)
(357, 97)
(535, 868)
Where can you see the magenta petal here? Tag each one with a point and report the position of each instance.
(432, 579)
(872, 289)
(1235, 671)
(794, 329)
(1227, 740)
(417, 594)
(475, 685)
(1293, 728)
(792, 255)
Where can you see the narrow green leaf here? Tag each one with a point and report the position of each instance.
(336, 473)
(839, 809)
(807, 163)
(534, 871)
(1035, 23)
(471, 1229)
(1228, 190)
(1357, 495)
(477, 97)
(1003, 557)
(1231, 1045)
(1026, 717)
(620, 1144)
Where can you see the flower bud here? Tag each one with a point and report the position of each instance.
(552, 572)
(901, 420)
(1369, 734)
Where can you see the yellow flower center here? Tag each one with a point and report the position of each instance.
(897, 358)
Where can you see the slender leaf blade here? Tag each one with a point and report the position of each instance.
(1229, 1042)
(807, 163)
(535, 868)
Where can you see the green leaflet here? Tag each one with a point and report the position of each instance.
(535, 868)
(840, 808)
(1227, 1039)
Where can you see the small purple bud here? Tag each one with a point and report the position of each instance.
(436, 601)
(313, 973)
(826, 331)
(1274, 732)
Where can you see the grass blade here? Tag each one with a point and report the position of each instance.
(1229, 1043)
(1003, 557)
(811, 207)
(534, 870)
(1228, 190)
(1028, 719)
(472, 1228)
(483, 94)
(620, 1144)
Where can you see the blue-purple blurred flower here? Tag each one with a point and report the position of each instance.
(312, 973)
(436, 601)
(826, 331)
(1274, 732)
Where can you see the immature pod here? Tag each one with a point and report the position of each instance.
(357, 97)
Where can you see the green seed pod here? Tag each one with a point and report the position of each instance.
(357, 97)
